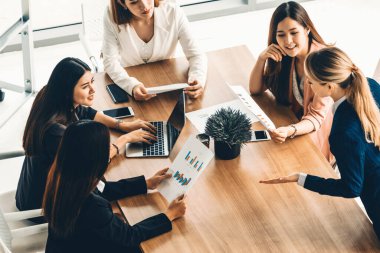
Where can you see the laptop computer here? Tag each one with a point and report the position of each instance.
(167, 134)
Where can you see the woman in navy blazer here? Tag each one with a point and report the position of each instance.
(80, 216)
(355, 134)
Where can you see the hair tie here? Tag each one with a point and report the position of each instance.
(354, 68)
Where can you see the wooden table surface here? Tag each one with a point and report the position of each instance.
(227, 209)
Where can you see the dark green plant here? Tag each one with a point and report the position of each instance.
(229, 125)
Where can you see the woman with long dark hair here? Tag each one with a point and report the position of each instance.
(280, 68)
(355, 134)
(80, 217)
(66, 98)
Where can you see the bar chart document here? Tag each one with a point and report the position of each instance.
(189, 164)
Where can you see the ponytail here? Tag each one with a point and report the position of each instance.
(333, 65)
(360, 96)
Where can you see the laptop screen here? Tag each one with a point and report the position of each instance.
(176, 121)
(177, 118)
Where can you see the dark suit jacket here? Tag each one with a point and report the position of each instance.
(99, 230)
(358, 161)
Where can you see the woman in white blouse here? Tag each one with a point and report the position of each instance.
(142, 31)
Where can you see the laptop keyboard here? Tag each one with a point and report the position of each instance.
(158, 147)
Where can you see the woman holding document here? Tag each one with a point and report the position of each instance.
(80, 216)
(355, 135)
(280, 68)
(142, 31)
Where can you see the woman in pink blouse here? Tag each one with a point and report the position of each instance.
(280, 68)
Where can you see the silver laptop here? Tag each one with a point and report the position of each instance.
(167, 134)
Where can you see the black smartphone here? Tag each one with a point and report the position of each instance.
(118, 113)
(261, 135)
(117, 94)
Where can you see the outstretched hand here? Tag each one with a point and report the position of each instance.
(281, 180)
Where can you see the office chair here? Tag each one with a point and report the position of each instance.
(91, 35)
(16, 232)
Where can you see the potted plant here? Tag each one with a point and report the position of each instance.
(230, 129)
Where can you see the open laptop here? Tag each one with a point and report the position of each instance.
(167, 134)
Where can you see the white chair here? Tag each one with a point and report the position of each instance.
(17, 234)
(91, 35)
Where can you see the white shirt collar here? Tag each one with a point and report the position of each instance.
(338, 102)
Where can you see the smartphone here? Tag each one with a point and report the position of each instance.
(117, 94)
(261, 135)
(118, 113)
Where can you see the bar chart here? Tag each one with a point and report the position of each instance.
(193, 161)
(181, 179)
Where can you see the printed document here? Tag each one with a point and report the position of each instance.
(199, 118)
(189, 164)
(253, 106)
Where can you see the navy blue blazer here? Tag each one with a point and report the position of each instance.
(358, 161)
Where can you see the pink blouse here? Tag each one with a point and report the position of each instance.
(317, 110)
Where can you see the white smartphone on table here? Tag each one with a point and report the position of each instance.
(119, 113)
(260, 135)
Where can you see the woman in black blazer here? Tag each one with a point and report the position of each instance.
(355, 133)
(80, 217)
(67, 97)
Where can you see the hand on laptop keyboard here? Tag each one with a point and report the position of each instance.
(140, 135)
(137, 124)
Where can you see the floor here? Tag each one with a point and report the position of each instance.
(349, 24)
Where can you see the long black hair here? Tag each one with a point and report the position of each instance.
(277, 74)
(81, 161)
(53, 104)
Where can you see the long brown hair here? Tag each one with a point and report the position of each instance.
(81, 161)
(332, 65)
(276, 74)
(120, 14)
(53, 103)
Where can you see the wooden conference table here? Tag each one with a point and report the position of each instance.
(227, 209)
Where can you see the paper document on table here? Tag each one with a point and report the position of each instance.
(188, 165)
(253, 106)
(199, 118)
(166, 88)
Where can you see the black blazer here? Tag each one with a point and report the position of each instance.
(99, 230)
(32, 181)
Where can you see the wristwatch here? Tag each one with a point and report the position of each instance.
(295, 131)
